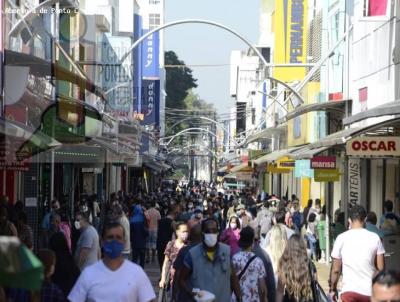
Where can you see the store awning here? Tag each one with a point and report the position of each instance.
(43, 68)
(18, 130)
(337, 138)
(325, 106)
(307, 152)
(223, 169)
(241, 168)
(275, 155)
(266, 134)
(392, 108)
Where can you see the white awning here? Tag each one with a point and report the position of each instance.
(239, 168)
(266, 133)
(275, 155)
(324, 106)
(392, 108)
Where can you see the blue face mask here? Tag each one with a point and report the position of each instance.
(113, 249)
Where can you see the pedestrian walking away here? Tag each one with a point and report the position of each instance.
(358, 254)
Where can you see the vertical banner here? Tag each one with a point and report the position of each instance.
(151, 102)
(151, 56)
(354, 181)
(137, 57)
(290, 38)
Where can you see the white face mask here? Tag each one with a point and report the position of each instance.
(233, 225)
(210, 239)
(77, 225)
(184, 236)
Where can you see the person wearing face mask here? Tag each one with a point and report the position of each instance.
(113, 278)
(88, 248)
(208, 267)
(231, 235)
(171, 252)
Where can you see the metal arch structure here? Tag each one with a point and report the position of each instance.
(219, 124)
(193, 146)
(171, 138)
(215, 24)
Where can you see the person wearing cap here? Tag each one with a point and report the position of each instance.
(250, 269)
(243, 216)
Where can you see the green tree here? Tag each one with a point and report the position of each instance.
(178, 81)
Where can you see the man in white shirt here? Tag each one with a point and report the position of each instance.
(358, 254)
(113, 278)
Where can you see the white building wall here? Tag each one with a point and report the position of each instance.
(373, 58)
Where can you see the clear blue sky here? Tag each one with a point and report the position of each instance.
(203, 44)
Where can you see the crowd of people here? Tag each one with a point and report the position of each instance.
(210, 246)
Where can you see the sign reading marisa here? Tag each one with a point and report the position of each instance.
(323, 162)
(326, 175)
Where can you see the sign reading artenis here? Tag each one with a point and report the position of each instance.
(373, 146)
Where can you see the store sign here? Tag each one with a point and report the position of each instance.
(354, 181)
(244, 176)
(373, 146)
(303, 169)
(323, 162)
(286, 163)
(273, 169)
(326, 175)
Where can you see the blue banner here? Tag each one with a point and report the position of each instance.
(150, 56)
(137, 57)
(151, 102)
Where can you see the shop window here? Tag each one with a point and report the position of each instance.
(375, 8)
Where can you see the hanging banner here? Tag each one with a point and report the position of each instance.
(326, 175)
(150, 56)
(285, 163)
(354, 181)
(302, 169)
(323, 162)
(373, 146)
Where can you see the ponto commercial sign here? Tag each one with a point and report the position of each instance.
(373, 146)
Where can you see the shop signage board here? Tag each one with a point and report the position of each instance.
(286, 163)
(354, 181)
(303, 169)
(244, 176)
(326, 175)
(323, 162)
(272, 168)
(373, 146)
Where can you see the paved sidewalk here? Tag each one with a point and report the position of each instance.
(153, 272)
(323, 270)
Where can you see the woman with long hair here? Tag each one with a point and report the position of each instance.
(171, 252)
(276, 246)
(231, 234)
(294, 280)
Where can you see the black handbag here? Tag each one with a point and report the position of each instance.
(317, 291)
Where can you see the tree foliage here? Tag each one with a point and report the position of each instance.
(178, 81)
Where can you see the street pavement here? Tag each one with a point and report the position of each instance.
(153, 272)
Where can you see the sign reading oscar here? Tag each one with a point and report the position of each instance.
(373, 146)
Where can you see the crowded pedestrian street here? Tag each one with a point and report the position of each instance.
(206, 151)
